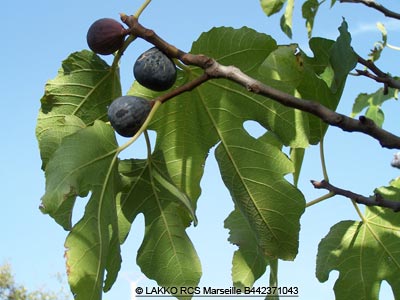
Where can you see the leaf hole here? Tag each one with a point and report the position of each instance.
(79, 208)
(134, 239)
(385, 291)
(254, 128)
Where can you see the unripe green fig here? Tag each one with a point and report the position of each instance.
(105, 36)
(128, 113)
(155, 70)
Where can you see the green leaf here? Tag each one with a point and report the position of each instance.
(325, 75)
(376, 52)
(271, 7)
(249, 262)
(311, 78)
(50, 131)
(253, 171)
(186, 128)
(219, 110)
(391, 192)
(365, 254)
(342, 58)
(374, 103)
(287, 18)
(86, 162)
(309, 10)
(376, 114)
(297, 156)
(178, 194)
(283, 70)
(166, 254)
(191, 123)
(82, 89)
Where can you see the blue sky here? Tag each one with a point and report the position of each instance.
(38, 35)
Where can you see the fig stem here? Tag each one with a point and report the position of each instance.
(320, 199)
(183, 88)
(323, 162)
(181, 65)
(150, 36)
(121, 51)
(148, 144)
(142, 8)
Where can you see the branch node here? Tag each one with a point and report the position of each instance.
(366, 122)
(378, 197)
(377, 200)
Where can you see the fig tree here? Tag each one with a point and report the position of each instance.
(105, 36)
(128, 113)
(155, 70)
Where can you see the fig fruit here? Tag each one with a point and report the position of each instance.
(105, 36)
(128, 113)
(155, 70)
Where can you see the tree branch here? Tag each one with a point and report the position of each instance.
(373, 4)
(376, 200)
(379, 75)
(213, 69)
(183, 88)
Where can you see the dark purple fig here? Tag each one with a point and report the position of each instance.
(105, 36)
(155, 70)
(128, 113)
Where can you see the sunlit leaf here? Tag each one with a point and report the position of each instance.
(271, 7)
(309, 11)
(86, 162)
(83, 88)
(51, 129)
(175, 192)
(297, 156)
(166, 254)
(254, 176)
(79, 155)
(287, 18)
(364, 253)
(248, 262)
(376, 52)
(373, 102)
(331, 64)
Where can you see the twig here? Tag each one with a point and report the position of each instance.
(373, 4)
(183, 88)
(376, 200)
(379, 75)
(213, 69)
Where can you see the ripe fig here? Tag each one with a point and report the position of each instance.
(105, 36)
(155, 70)
(128, 113)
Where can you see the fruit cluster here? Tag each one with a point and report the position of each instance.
(153, 70)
